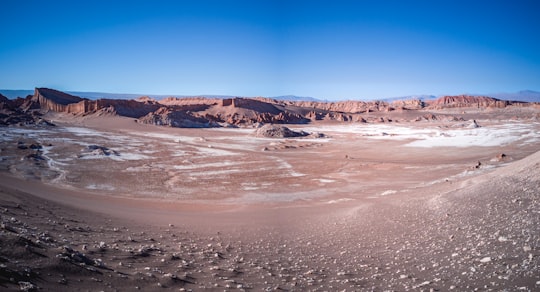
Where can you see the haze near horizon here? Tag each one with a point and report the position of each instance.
(329, 50)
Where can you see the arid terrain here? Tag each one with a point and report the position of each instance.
(191, 194)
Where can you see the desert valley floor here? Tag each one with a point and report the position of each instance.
(105, 203)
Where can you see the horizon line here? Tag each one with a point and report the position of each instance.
(261, 96)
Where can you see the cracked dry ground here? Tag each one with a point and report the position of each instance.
(479, 234)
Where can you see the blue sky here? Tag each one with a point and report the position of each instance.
(325, 49)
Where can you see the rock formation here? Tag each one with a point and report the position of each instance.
(276, 131)
(211, 112)
(53, 100)
(5, 103)
(468, 101)
(343, 106)
(11, 113)
(411, 104)
(166, 116)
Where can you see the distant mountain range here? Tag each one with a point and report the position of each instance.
(295, 98)
(84, 94)
(12, 94)
(422, 97)
(524, 95)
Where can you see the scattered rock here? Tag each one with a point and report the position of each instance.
(473, 125)
(27, 286)
(276, 131)
(22, 147)
(100, 150)
(477, 165)
(7, 227)
(500, 157)
(35, 146)
(485, 260)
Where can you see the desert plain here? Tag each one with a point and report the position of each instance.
(106, 203)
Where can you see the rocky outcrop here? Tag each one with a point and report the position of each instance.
(125, 108)
(5, 103)
(254, 118)
(473, 125)
(189, 101)
(247, 111)
(53, 100)
(146, 99)
(251, 104)
(12, 114)
(276, 131)
(280, 118)
(46, 95)
(314, 116)
(411, 104)
(468, 101)
(344, 106)
(166, 116)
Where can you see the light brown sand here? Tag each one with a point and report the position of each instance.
(346, 212)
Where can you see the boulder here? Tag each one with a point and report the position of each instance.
(277, 131)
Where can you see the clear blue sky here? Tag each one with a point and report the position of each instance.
(324, 49)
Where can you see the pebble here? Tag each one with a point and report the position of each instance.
(485, 260)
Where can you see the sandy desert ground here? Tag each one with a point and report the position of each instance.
(109, 204)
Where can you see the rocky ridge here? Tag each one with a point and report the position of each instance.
(214, 112)
(470, 101)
